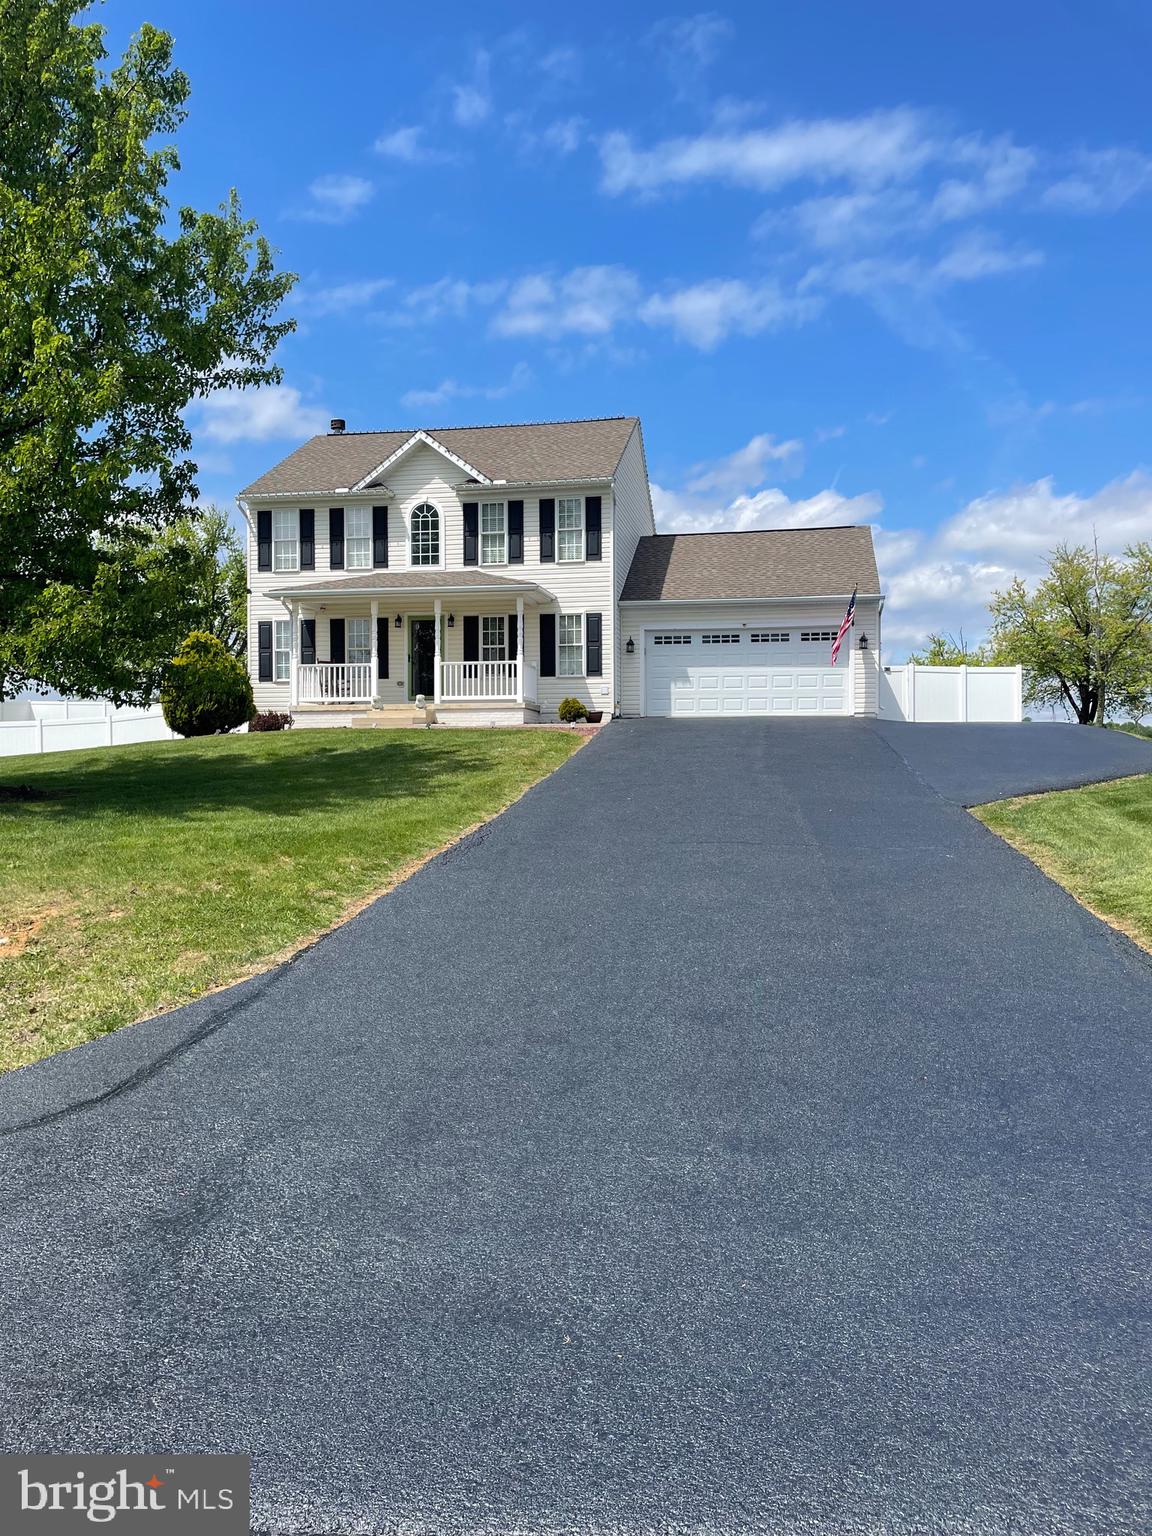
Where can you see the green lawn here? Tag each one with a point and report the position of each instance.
(1096, 842)
(148, 874)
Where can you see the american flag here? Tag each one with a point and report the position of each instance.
(845, 625)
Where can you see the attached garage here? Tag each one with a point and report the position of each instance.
(743, 669)
(717, 626)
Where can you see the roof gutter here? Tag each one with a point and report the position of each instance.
(682, 602)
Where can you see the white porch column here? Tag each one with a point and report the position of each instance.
(437, 678)
(293, 655)
(520, 648)
(374, 683)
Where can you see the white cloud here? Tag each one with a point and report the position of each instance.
(336, 199)
(256, 415)
(341, 297)
(447, 298)
(452, 389)
(870, 150)
(705, 314)
(472, 99)
(407, 146)
(587, 301)
(688, 46)
(729, 494)
(944, 580)
(1100, 181)
(565, 135)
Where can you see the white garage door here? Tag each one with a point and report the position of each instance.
(743, 670)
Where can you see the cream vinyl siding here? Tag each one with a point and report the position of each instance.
(636, 617)
(632, 509)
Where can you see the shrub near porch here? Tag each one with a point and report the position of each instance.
(146, 875)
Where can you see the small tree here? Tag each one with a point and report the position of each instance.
(1084, 636)
(206, 690)
(947, 651)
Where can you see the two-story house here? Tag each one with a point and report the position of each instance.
(493, 571)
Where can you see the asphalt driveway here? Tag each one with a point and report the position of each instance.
(735, 1136)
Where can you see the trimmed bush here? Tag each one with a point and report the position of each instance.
(571, 710)
(271, 721)
(206, 690)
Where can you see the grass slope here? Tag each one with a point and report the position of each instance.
(149, 874)
(1096, 842)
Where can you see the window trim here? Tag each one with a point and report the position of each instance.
(425, 565)
(503, 532)
(349, 538)
(581, 529)
(502, 620)
(817, 636)
(579, 619)
(293, 543)
(366, 658)
(281, 650)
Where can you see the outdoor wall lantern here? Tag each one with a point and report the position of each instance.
(631, 646)
(863, 641)
(399, 622)
(451, 621)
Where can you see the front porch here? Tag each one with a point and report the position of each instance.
(449, 642)
(354, 682)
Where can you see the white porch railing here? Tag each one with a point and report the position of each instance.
(335, 682)
(529, 682)
(480, 680)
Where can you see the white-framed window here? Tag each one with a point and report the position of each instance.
(425, 535)
(282, 650)
(493, 638)
(817, 636)
(570, 645)
(671, 639)
(358, 538)
(771, 636)
(358, 639)
(570, 528)
(493, 534)
(722, 639)
(285, 540)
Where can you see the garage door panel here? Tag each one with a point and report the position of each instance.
(722, 672)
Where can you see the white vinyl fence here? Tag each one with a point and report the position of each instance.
(66, 725)
(952, 694)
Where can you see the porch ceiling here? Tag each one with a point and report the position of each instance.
(424, 584)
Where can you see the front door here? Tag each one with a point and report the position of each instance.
(422, 656)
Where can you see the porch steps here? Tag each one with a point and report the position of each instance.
(391, 716)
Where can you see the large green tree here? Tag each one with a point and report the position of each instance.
(116, 313)
(1084, 635)
(149, 593)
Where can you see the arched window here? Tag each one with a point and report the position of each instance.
(425, 535)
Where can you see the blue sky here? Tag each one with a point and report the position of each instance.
(882, 263)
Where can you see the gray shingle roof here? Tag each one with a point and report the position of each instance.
(776, 562)
(532, 452)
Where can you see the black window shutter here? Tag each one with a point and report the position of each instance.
(336, 639)
(592, 527)
(264, 646)
(513, 637)
(548, 533)
(380, 541)
(515, 533)
(593, 650)
(381, 647)
(472, 536)
(264, 541)
(308, 642)
(307, 539)
(336, 538)
(471, 637)
(547, 645)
